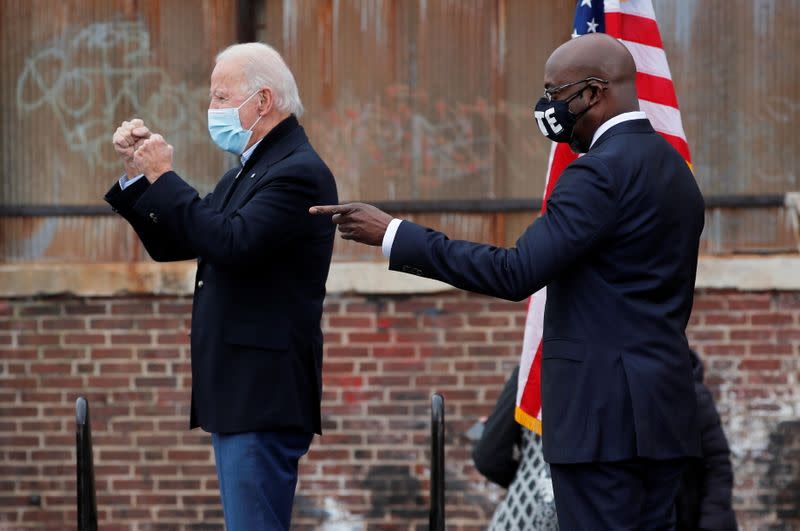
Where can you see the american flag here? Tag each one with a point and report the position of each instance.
(633, 22)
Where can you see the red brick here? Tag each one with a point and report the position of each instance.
(390, 380)
(120, 368)
(130, 339)
(410, 366)
(155, 381)
(457, 336)
(511, 335)
(108, 382)
(492, 321)
(394, 351)
(339, 366)
(710, 303)
(417, 306)
(403, 336)
(724, 349)
(788, 300)
(63, 353)
(18, 325)
(135, 308)
(85, 309)
(160, 353)
(752, 334)
(84, 339)
(60, 369)
(25, 338)
(123, 323)
(436, 380)
(19, 353)
(40, 309)
(725, 319)
(361, 322)
(63, 324)
(397, 322)
(159, 323)
(782, 349)
(772, 319)
(172, 338)
(442, 321)
(189, 455)
(464, 307)
(346, 352)
(167, 308)
(759, 365)
(751, 302)
(368, 337)
(102, 353)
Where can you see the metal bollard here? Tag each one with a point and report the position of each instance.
(87, 504)
(437, 463)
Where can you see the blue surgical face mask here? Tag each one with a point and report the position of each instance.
(225, 128)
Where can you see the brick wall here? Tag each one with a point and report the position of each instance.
(384, 358)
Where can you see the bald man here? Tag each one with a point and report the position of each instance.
(617, 250)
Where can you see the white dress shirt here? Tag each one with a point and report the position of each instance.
(124, 182)
(391, 230)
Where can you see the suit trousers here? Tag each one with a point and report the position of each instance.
(636, 494)
(257, 474)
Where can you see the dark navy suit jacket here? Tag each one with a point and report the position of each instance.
(262, 263)
(617, 250)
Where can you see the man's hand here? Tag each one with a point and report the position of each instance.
(153, 157)
(128, 137)
(357, 221)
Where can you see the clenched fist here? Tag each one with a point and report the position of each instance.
(153, 157)
(126, 139)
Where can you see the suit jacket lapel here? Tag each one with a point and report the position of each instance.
(269, 152)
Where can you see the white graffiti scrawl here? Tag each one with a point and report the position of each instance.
(92, 77)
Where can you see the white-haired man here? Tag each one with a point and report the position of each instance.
(262, 263)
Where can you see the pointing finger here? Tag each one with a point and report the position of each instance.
(328, 210)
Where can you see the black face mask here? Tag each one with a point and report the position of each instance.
(554, 118)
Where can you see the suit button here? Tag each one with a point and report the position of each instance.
(199, 283)
(153, 217)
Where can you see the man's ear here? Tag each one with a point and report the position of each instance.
(596, 90)
(266, 100)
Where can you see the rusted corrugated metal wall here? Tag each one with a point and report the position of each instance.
(419, 100)
(72, 71)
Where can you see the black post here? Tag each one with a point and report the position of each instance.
(437, 463)
(87, 504)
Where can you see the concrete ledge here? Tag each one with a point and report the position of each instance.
(746, 273)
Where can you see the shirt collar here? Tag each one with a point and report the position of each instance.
(618, 119)
(246, 154)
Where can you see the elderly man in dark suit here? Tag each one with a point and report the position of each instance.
(262, 264)
(617, 250)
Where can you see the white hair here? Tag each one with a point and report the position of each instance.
(264, 67)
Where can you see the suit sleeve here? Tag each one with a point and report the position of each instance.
(160, 245)
(275, 215)
(493, 454)
(580, 213)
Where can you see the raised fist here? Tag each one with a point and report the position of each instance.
(126, 139)
(153, 157)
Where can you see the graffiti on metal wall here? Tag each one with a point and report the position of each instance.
(406, 134)
(90, 78)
